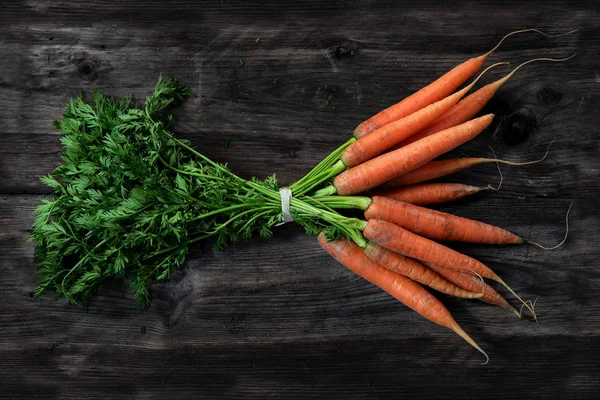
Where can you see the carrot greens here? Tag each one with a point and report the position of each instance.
(131, 200)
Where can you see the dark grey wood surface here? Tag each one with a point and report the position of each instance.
(279, 318)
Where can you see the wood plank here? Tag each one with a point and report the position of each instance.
(301, 370)
(279, 318)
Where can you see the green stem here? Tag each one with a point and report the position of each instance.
(326, 191)
(229, 221)
(84, 258)
(332, 217)
(251, 220)
(160, 264)
(189, 173)
(157, 253)
(345, 202)
(358, 238)
(270, 193)
(259, 188)
(208, 214)
(314, 202)
(203, 157)
(315, 181)
(205, 236)
(324, 164)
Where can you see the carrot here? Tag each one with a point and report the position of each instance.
(439, 168)
(400, 287)
(468, 107)
(430, 193)
(398, 162)
(402, 241)
(416, 271)
(473, 283)
(390, 134)
(436, 224)
(435, 91)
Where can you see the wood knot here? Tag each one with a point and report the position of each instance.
(516, 128)
(550, 95)
(87, 70)
(347, 49)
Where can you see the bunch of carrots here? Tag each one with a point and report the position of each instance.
(131, 200)
(391, 159)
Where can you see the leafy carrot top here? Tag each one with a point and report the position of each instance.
(130, 200)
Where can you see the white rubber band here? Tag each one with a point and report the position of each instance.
(286, 194)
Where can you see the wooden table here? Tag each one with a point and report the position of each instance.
(279, 318)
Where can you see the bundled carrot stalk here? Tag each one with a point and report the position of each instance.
(131, 200)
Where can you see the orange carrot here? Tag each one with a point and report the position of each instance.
(430, 193)
(398, 162)
(468, 107)
(416, 271)
(402, 241)
(439, 168)
(436, 224)
(390, 134)
(435, 91)
(436, 169)
(471, 282)
(400, 287)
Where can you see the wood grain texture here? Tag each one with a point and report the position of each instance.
(279, 318)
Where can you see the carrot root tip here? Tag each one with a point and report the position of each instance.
(460, 332)
(486, 55)
(561, 242)
(519, 314)
(527, 304)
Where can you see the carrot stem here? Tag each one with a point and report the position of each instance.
(319, 178)
(327, 162)
(345, 202)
